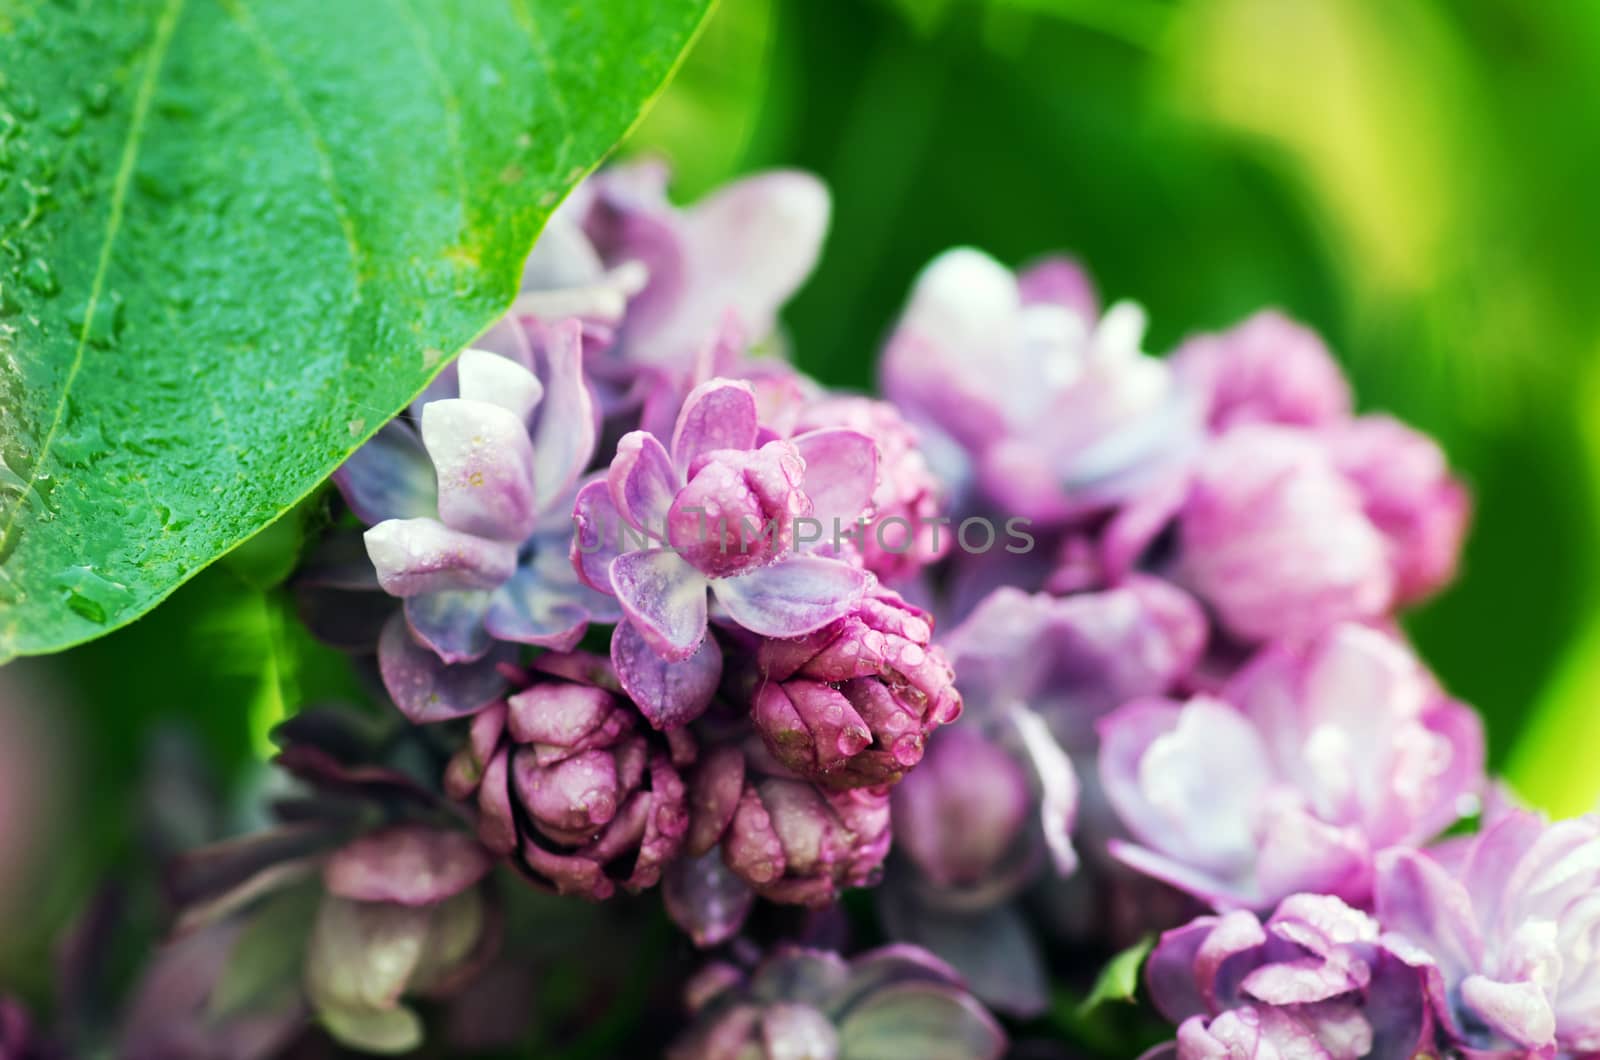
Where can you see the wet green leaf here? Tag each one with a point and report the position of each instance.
(236, 237)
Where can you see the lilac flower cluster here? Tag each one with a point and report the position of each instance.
(1186, 708)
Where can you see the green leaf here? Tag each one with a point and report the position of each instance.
(238, 236)
(1119, 979)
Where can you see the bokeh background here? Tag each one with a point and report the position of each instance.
(1417, 180)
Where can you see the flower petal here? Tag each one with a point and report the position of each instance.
(529, 610)
(564, 432)
(669, 694)
(794, 596)
(596, 535)
(717, 414)
(705, 899)
(406, 864)
(643, 482)
(664, 597)
(451, 623)
(485, 464)
(1520, 1011)
(427, 689)
(390, 477)
(841, 475)
(415, 556)
(491, 378)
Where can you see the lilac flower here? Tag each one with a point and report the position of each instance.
(1409, 494)
(1268, 532)
(897, 1001)
(1510, 929)
(1314, 758)
(400, 916)
(852, 704)
(565, 782)
(1268, 369)
(1024, 394)
(1297, 515)
(755, 829)
(471, 521)
(367, 895)
(1317, 979)
(995, 802)
(741, 251)
(905, 535)
(720, 513)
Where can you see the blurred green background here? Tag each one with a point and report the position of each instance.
(1415, 179)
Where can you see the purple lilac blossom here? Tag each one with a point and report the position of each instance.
(1297, 514)
(897, 1001)
(1267, 369)
(1267, 532)
(1028, 396)
(905, 535)
(1508, 923)
(756, 829)
(366, 895)
(720, 513)
(1317, 979)
(565, 782)
(1312, 759)
(470, 520)
(741, 251)
(852, 704)
(993, 807)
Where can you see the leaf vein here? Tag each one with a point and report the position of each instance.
(119, 197)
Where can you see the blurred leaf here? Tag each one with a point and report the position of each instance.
(242, 236)
(1119, 979)
(705, 122)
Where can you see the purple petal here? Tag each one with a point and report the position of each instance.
(390, 477)
(526, 610)
(596, 535)
(1417, 898)
(1062, 282)
(1171, 974)
(1159, 765)
(485, 464)
(793, 596)
(717, 414)
(488, 377)
(1058, 787)
(841, 474)
(669, 694)
(451, 623)
(921, 1021)
(427, 689)
(741, 252)
(1520, 1011)
(933, 365)
(643, 482)
(564, 435)
(1267, 369)
(664, 597)
(705, 899)
(958, 814)
(415, 556)
(406, 864)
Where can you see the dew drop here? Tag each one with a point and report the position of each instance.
(90, 595)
